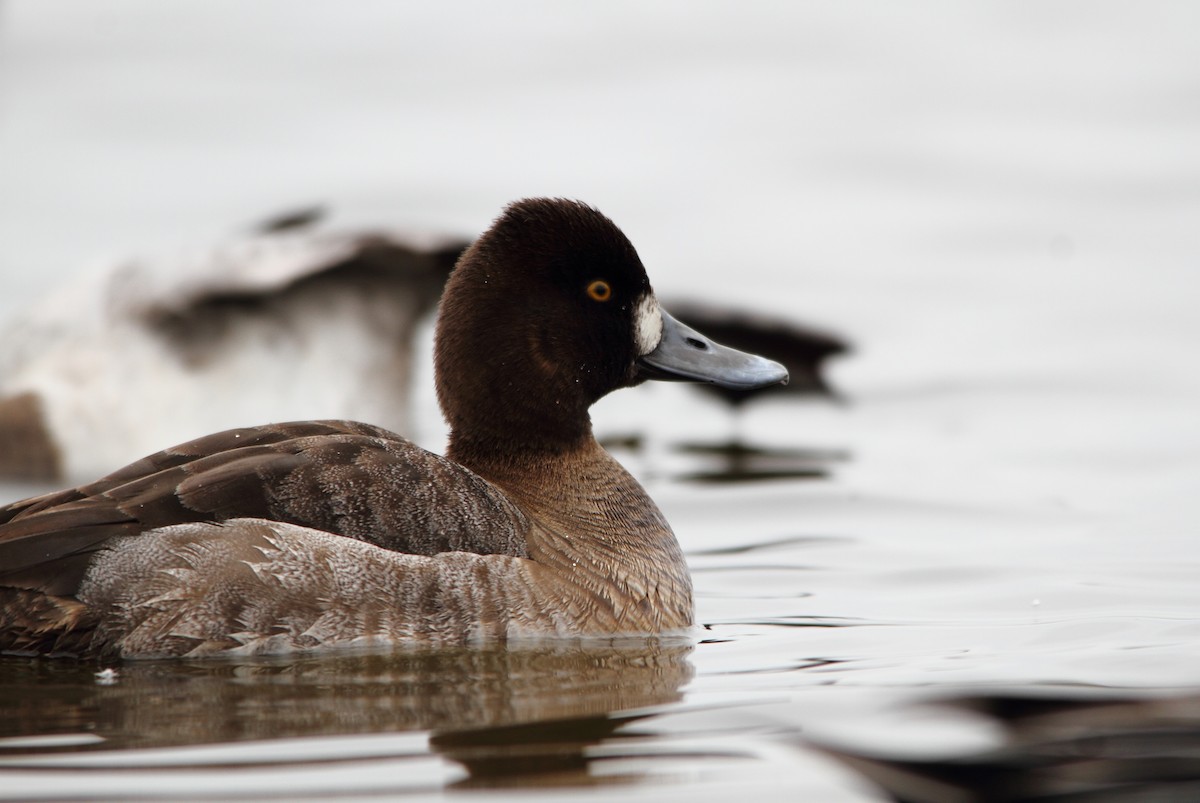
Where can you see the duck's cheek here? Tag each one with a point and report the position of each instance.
(542, 351)
(647, 324)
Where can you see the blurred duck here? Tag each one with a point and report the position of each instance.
(1078, 745)
(289, 322)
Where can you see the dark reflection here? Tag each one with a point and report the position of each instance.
(554, 753)
(795, 621)
(499, 711)
(735, 461)
(774, 543)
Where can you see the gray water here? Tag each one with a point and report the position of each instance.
(998, 203)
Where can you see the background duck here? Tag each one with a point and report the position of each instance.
(1057, 744)
(287, 323)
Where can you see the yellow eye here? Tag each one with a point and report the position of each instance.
(599, 291)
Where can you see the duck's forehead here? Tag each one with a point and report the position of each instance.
(647, 323)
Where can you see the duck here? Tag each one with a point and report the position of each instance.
(1049, 742)
(325, 534)
(292, 319)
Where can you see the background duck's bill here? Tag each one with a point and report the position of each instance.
(685, 355)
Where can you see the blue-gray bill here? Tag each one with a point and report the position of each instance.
(685, 355)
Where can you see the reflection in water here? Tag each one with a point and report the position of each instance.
(748, 547)
(545, 753)
(178, 702)
(487, 706)
(736, 461)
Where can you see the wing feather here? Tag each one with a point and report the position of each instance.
(339, 477)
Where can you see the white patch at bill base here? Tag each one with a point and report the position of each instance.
(647, 324)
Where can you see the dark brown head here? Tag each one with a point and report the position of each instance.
(546, 313)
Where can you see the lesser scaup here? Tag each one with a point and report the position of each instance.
(298, 536)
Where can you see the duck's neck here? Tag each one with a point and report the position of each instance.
(595, 523)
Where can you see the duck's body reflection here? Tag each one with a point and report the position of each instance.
(498, 711)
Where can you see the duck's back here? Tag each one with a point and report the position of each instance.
(344, 478)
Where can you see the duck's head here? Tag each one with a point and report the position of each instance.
(547, 312)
